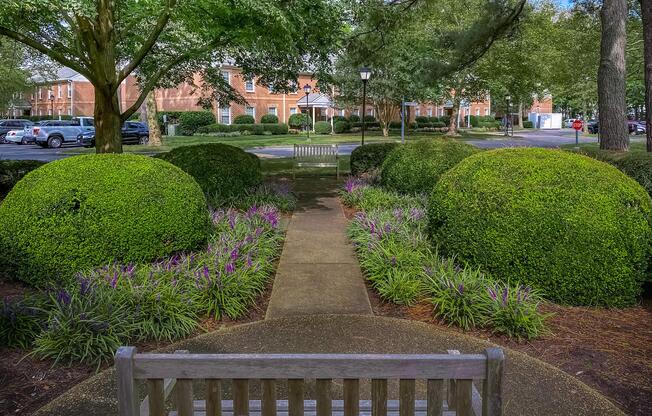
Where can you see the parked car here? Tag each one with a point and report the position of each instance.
(139, 128)
(18, 137)
(12, 124)
(568, 123)
(130, 135)
(55, 133)
(592, 127)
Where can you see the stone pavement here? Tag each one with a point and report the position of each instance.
(318, 272)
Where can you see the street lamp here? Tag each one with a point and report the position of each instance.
(365, 73)
(51, 104)
(508, 115)
(306, 89)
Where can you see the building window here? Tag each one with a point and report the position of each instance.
(226, 76)
(356, 112)
(429, 112)
(40, 93)
(341, 113)
(50, 112)
(441, 112)
(249, 85)
(250, 111)
(59, 91)
(69, 90)
(39, 112)
(486, 111)
(370, 112)
(538, 109)
(417, 112)
(225, 115)
(69, 111)
(272, 110)
(294, 88)
(270, 88)
(293, 110)
(477, 112)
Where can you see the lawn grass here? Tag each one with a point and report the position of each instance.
(636, 145)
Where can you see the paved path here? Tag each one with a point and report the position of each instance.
(318, 272)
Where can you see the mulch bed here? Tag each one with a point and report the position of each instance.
(27, 383)
(608, 349)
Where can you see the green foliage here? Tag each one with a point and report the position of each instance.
(323, 127)
(369, 157)
(476, 120)
(21, 321)
(540, 218)
(222, 171)
(299, 121)
(255, 129)
(513, 311)
(490, 125)
(357, 194)
(341, 126)
(274, 194)
(528, 124)
(353, 118)
(416, 167)
(190, 121)
(637, 165)
(244, 119)
(269, 119)
(85, 211)
(11, 171)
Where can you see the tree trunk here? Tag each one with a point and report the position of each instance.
(646, 13)
(108, 124)
(585, 119)
(452, 124)
(520, 115)
(152, 120)
(611, 77)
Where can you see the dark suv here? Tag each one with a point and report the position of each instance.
(132, 133)
(12, 124)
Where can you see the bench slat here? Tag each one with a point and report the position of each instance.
(351, 397)
(295, 397)
(240, 397)
(213, 397)
(269, 397)
(463, 392)
(379, 397)
(183, 395)
(406, 396)
(435, 392)
(436, 366)
(156, 397)
(323, 393)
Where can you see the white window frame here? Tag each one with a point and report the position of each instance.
(253, 85)
(429, 112)
(69, 111)
(295, 88)
(417, 112)
(342, 113)
(441, 112)
(226, 75)
(356, 112)
(49, 112)
(477, 112)
(59, 91)
(70, 90)
(293, 110)
(228, 114)
(272, 109)
(486, 111)
(40, 93)
(253, 111)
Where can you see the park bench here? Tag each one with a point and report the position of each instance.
(316, 156)
(449, 380)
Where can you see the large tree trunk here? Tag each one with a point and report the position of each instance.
(520, 115)
(646, 12)
(611, 77)
(452, 124)
(108, 124)
(152, 120)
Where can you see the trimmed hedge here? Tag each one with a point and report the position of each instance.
(416, 167)
(476, 120)
(11, 171)
(490, 124)
(299, 120)
(341, 127)
(323, 127)
(354, 118)
(636, 165)
(254, 129)
(269, 119)
(190, 121)
(87, 211)
(528, 124)
(573, 227)
(244, 119)
(370, 157)
(222, 171)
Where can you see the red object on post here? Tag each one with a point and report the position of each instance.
(577, 125)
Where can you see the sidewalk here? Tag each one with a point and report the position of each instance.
(318, 272)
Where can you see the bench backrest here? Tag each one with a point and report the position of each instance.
(316, 154)
(163, 371)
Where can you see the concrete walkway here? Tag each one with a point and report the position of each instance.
(318, 272)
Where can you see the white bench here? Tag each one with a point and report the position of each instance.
(316, 156)
(449, 379)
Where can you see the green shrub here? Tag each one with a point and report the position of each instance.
(341, 127)
(637, 165)
(513, 311)
(422, 119)
(190, 121)
(369, 119)
(254, 129)
(244, 119)
(21, 321)
(490, 125)
(369, 157)
(278, 195)
(353, 118)
(222, 171)
(323, 127)
(90, 210)
(416, 167)
(11, 171)
(299, 121)
(528, 124)
(269, 119)
(543, 218)
(339, 118)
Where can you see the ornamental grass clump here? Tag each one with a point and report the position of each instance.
(358, 193)
(513, 311)
(21, 321)
(276, 194)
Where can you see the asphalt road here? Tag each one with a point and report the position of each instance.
(535, 138)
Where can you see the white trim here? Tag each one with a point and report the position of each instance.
(253, 85)
(227, 78)
(228, 110)
(253, 111)
(269, 110)
(58, 90)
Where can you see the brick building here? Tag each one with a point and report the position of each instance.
(71, 94)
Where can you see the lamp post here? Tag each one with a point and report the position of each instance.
(51, 97)
(508, 115)
(365, 73)
(306, 89)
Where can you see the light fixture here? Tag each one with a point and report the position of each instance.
(365, 73)
(307, 88)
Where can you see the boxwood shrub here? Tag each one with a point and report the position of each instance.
(341, 127)
(244, 119)
(369, 157)
(190, 121)
(416, 167)
(255, 129)
(11, 171)
(269, 119)
(87, 211)
(571, 226)
(299, 120)
(323, 127)
(222, 171)
(637, 165)
(528, 124)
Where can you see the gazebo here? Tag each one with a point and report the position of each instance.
(317, 103)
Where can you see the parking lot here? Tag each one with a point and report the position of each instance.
(31, 152)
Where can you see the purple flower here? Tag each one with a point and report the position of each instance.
(393, 261)
(460, 289)
(398, 214)
(114, 281)
(63, 297)
(234, 254)
(206, 273)
(505, 293)
(85, 287)
(492, 293)
(229, 268)
(416, 214)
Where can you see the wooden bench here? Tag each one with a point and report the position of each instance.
(316, 156)
(450, 388)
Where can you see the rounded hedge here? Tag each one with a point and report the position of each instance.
(299, 121)
(221, 170)
(87, 211)
(369, 157)
(416, 167)
(323, 127)
(341, 127)
(190, 121)
(244, 119)
(571, 226)
(269, 119)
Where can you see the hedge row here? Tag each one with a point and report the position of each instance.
(255, 129)
(11, 171)
(637, 165)
(370, 157)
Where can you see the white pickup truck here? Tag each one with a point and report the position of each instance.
(54, 133)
